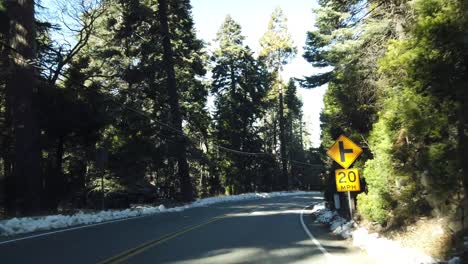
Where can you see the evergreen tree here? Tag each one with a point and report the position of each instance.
(127, 63)
(173, 98)
(239, 84)
(277, 50)
(351, 48)
(389, 106)
(294, 133)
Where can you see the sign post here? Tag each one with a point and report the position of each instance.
(345, 152)
(350, 204)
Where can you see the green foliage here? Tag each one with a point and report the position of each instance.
(373, 207)
(379, 176)
(277, 45)
(110, 185)
(350, 100)
(277, 50)
(408, 105)
(424, 73)
(240, 84)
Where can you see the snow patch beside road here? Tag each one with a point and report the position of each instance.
(381, 249)
(17, 226)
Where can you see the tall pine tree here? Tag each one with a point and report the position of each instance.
(239, 84)
(277, 50)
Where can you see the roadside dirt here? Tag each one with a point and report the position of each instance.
(428, 235)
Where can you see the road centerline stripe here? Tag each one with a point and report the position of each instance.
(119, 258)
(143, 247)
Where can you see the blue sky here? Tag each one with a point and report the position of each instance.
(253, 16)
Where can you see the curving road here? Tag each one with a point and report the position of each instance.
(258, 231)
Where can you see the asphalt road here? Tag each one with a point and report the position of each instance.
(259, 231)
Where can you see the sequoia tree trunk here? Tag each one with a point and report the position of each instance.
(21, 86)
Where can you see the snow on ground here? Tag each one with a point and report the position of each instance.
(382, 250)
(17, 226)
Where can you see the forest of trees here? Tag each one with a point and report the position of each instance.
(121, 106)
(398, 87)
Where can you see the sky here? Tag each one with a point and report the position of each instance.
(253, 16)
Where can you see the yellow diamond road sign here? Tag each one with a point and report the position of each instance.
(347, 180)
(344, 151)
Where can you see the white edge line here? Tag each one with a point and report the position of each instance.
(316, 242)
(70, 229)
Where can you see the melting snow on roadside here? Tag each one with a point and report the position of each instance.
(381, 249)
(16, 226)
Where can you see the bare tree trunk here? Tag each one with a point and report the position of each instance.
(284, 178)
(463, 126)
(21, 85)
(300, 131)
(284, 162)
(9, 181)
(275, 142)
(53, 180)
(462, 135)
(180, 148)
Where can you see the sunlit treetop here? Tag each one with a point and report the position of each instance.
(229, 37)
(277, 44)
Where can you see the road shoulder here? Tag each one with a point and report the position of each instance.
(339, 248)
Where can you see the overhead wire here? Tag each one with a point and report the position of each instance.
(179, 132)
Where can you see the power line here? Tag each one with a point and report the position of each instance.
(242, 152)
(180, 132)
(306, 164)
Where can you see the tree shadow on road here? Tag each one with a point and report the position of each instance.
(272, 233)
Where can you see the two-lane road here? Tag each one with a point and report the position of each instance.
(258, 231)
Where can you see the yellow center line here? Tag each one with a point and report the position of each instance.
(147, 245)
